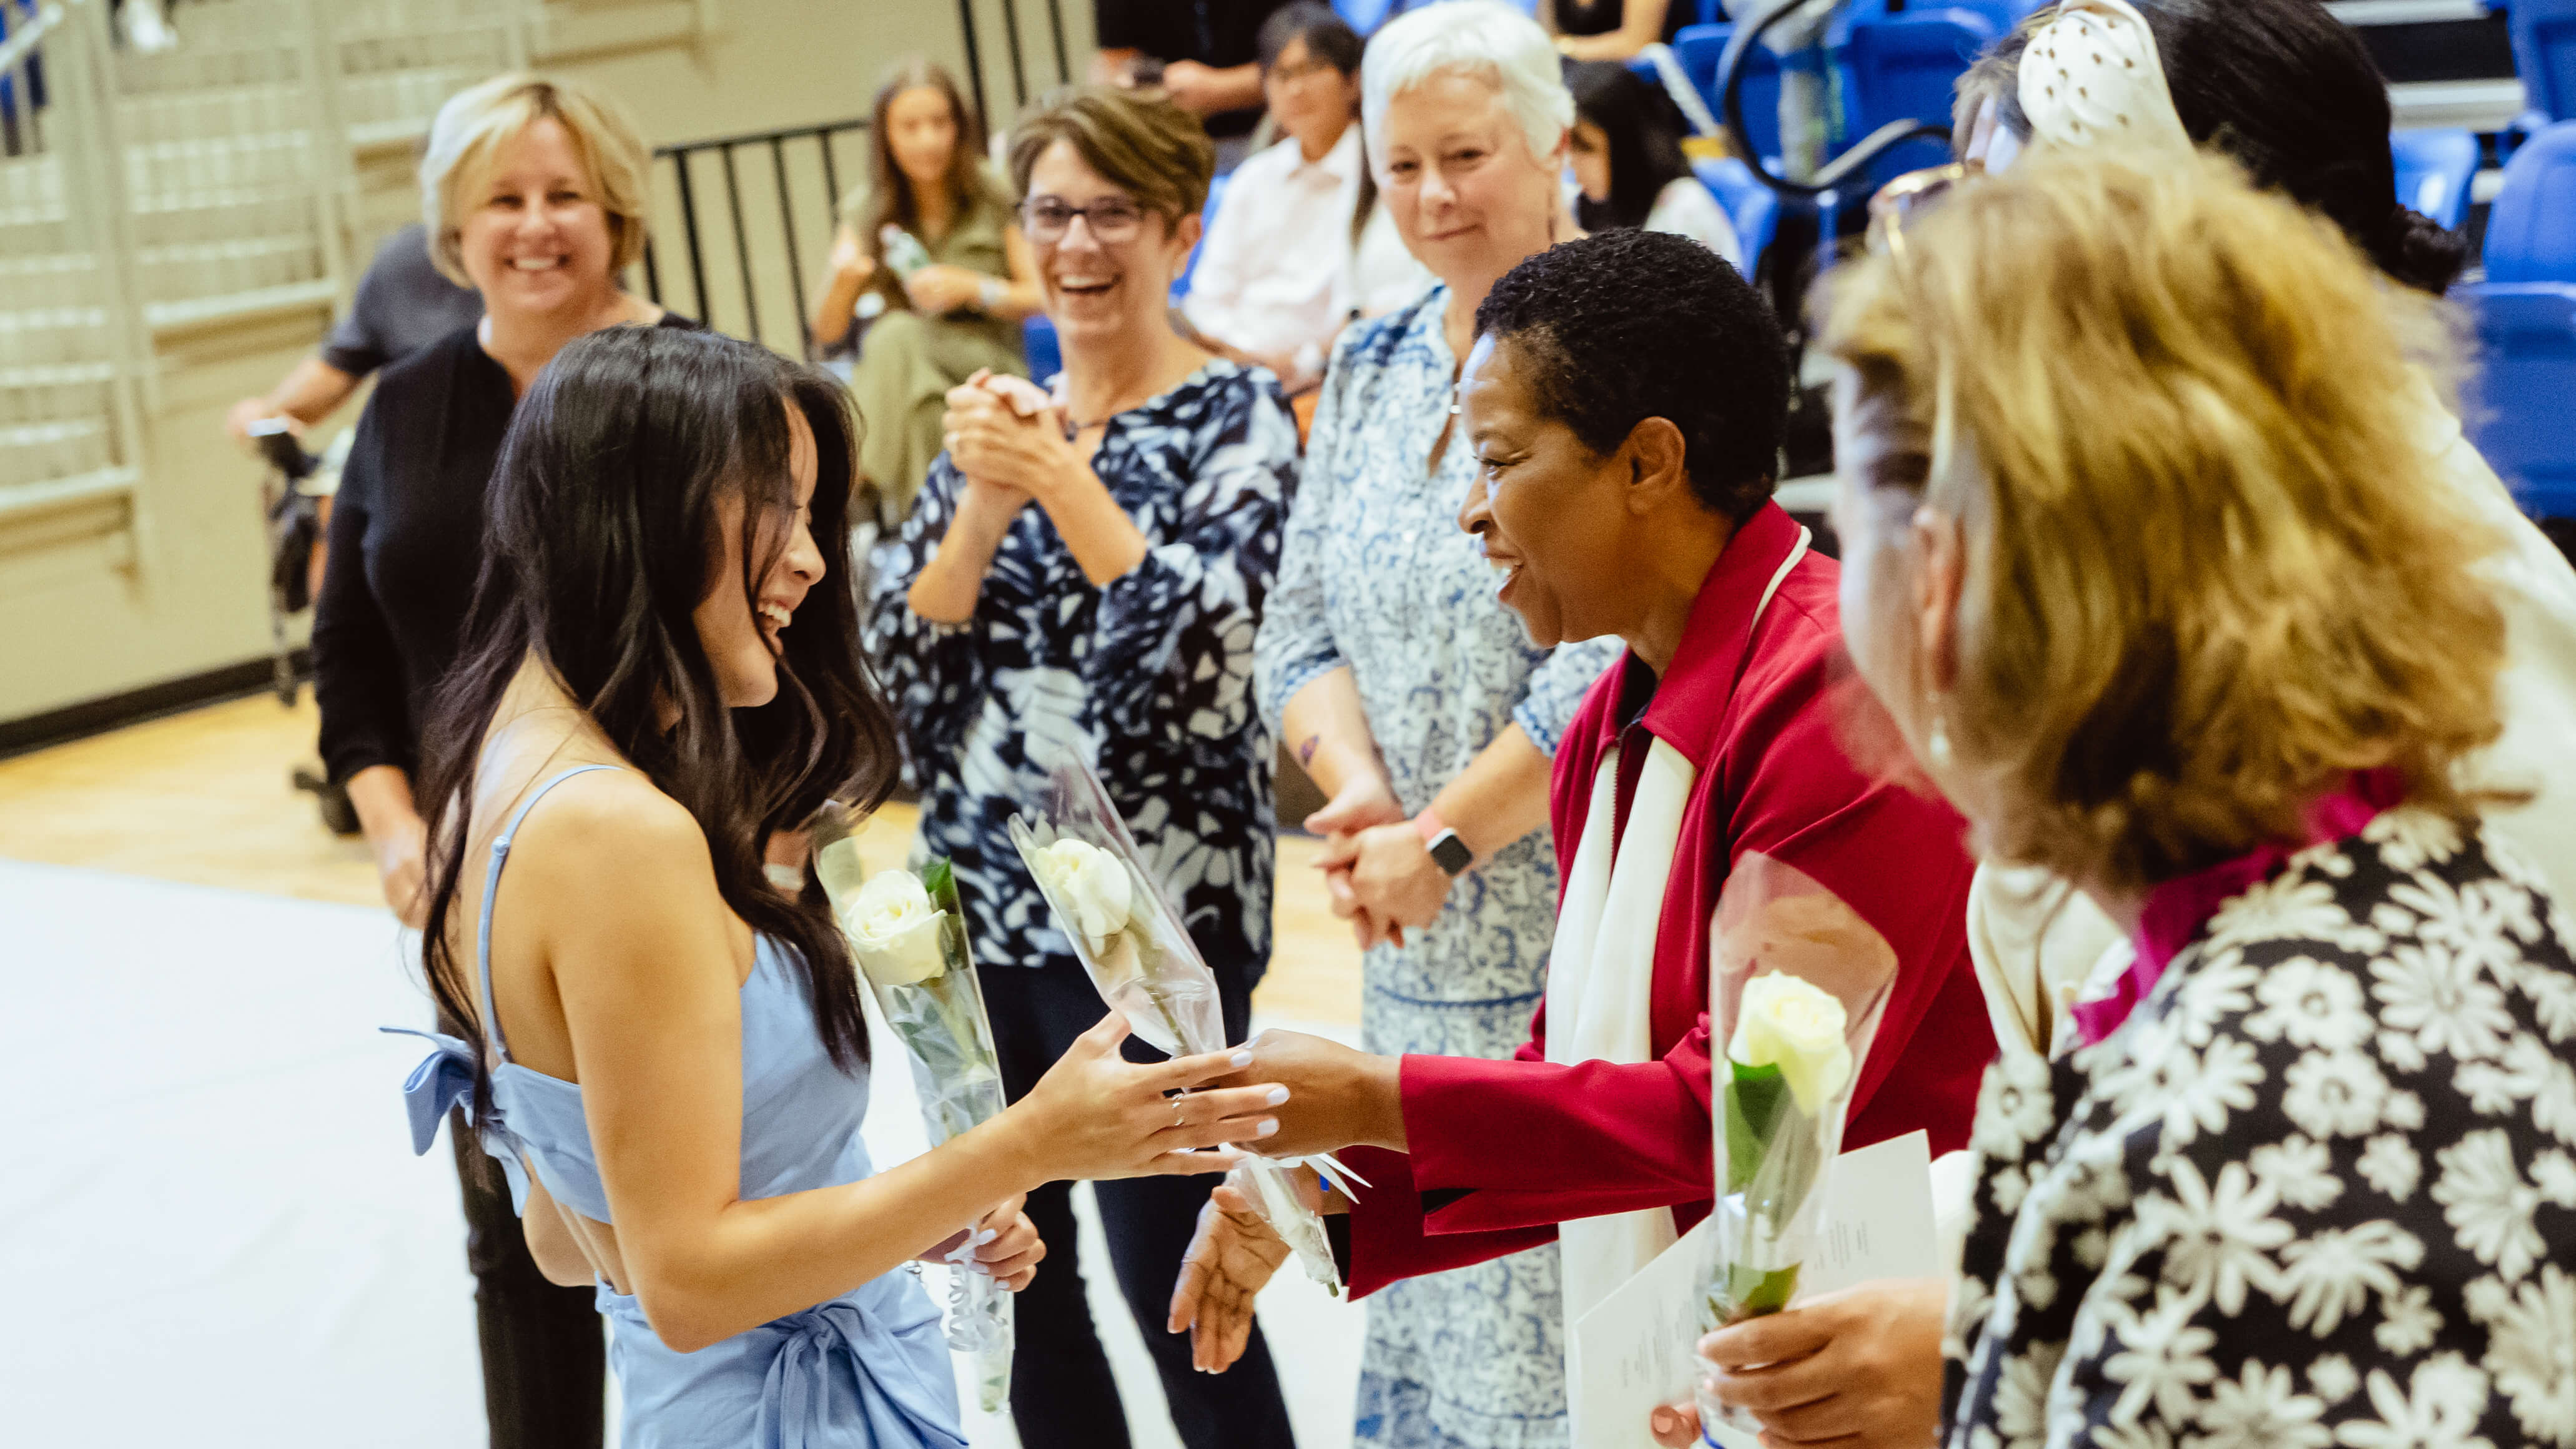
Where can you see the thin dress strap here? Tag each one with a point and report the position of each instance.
(492, 890)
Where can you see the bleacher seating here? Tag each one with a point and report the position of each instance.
(1700, 47)
(1906, 66)
(2434, 170)
(2526, 325)
(1753, 208)
(2544, 52)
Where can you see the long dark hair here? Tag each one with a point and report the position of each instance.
(1644, 129)
(890, 191)
(2291, 93)
(603, 525)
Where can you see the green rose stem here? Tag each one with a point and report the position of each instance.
(1773, 1158)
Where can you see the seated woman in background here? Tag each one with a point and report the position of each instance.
(1626, 152)
(1614, 29)
(666, 1050)
(928, 249)
(2315, 1185)
(1084, 576)
(1284, 265)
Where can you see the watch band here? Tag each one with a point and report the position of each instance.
(990, 294)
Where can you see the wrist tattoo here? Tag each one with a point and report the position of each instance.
(1306, 751)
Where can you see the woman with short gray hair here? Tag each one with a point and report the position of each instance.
(1414, 697)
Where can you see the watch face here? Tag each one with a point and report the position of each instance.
(1450, 853)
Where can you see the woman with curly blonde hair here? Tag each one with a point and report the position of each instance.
(2164, 593)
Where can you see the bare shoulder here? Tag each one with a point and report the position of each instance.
(611, 836)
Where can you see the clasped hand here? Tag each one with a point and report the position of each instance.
(1859, 1369)
(1378, 873)
(1004, 433)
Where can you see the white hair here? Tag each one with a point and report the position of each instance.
(1494, 42)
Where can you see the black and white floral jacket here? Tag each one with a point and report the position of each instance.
(2319, 1190)
(1148, 678)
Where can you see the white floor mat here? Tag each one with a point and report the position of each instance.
(212, 1228)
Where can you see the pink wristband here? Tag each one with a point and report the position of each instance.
(1428, 825)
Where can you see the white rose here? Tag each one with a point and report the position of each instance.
(895, 930)
(1788, 1023)
(1089, 882)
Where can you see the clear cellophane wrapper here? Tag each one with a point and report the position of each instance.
(1152, 973)
(1773, 1157)
(948, 1038)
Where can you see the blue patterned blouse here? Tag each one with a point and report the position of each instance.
(1149, 678)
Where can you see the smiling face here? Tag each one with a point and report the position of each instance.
(743, 639)
(533, 234)
(1310, 97)
(1552, 514)
(921, 134)
(1468, 196)
(1102, 290)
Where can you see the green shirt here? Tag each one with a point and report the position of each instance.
(975, 240)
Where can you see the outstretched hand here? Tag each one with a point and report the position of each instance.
(1097, 1115)
(1231, 1257)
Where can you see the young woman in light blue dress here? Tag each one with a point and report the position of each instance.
(670, 1059)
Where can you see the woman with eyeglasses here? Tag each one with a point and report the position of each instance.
(1083, 574)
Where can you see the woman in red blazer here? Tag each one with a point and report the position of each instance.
(1625, 401)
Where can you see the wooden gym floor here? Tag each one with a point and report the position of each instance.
(203, 797)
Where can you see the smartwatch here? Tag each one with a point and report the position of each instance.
(1447, 851)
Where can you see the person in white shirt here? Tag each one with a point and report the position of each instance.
(1298, 247)
(1626, 155)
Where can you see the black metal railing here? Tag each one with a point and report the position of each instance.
(789, 216)
(736, 232)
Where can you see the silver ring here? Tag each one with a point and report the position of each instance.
(1180, 1108)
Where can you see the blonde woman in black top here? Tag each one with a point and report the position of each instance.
(533, 191)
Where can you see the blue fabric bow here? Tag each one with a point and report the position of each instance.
(444, 1079)
(842, 1362)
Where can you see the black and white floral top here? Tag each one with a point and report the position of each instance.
(1149, 678)
(2320, 1189)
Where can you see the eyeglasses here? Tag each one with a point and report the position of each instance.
(1113, 219)
(1908, 196)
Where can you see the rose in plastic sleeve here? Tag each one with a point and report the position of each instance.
(907, 934)
(1797, 981)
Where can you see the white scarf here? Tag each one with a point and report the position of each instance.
(1601, 972)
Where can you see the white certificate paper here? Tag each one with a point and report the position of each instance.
(1633, 1351)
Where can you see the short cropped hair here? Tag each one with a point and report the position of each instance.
(2210, 565)
(1139, 141)
(1494, 42)
(477, 120)
(1626, 325)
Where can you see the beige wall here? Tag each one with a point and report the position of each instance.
(85, 616)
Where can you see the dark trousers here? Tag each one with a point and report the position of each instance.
(544, 1363)
(1061, 1394)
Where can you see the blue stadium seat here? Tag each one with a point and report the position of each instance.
(1037, 339)
(2531, 232)
(2434, 169)
(2544, 53)
(1364, 16)
(1752, 208)
(2521, 419)
(1207, 218)
(1700, 47)
(1907, 67)
(2526, 318)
